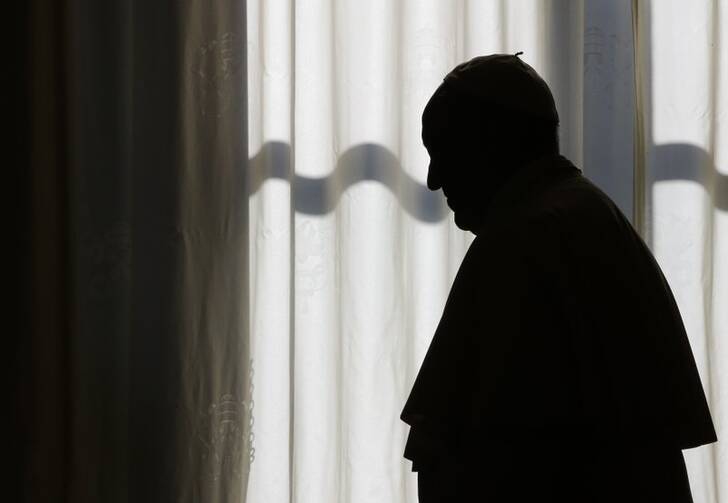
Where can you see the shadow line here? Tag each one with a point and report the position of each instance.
(683, 161)
(370, 162)
(365, 162)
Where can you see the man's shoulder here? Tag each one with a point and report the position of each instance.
(576, 207)
(570, 217)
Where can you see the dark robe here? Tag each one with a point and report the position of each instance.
(559, 330)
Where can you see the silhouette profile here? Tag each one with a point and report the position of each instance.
(560, 369)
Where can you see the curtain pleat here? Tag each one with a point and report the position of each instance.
(43, 405)
(682, 165)
(235, 265)
(140, 372)
(351, 257)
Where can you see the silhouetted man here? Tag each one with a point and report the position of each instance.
(560, 369)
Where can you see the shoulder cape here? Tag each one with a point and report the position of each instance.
(560, 320)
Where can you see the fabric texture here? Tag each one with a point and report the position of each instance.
(352, 258)
(138, 385)
(155, 382)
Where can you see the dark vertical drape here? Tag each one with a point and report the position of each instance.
(42, 400)
(134, 220)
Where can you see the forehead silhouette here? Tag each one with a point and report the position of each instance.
(443, 114)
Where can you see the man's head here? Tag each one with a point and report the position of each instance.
(489, 117)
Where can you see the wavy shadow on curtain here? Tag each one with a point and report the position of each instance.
(683, 161)
(687, 162)
(658, 163)
(368, 161)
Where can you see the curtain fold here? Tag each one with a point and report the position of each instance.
(140, 355)
(682, 166)
(235, 265)
(351, 257)
(42, 405)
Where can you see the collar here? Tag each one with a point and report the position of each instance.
(527, 182)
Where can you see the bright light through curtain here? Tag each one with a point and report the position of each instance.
(351, 257)
(681, 164)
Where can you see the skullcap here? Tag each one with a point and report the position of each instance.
(507, 81)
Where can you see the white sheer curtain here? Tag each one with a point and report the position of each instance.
(681, 167)
(351, 257)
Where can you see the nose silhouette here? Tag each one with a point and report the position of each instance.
(433, 179)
